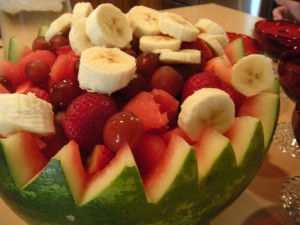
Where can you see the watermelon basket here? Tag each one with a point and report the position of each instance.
(52, 179)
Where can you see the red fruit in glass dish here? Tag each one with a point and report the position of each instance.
(251, 45)
(201, 45)
(85, 119)
(289, 73)
(296, 121)
(198, 81)
(277, 36)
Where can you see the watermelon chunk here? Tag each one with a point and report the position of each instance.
(64, 67)
(158, 182)
(167, 103)
(58, 201)
(265, 107)
(235, 50)
(12, 72)
(70, 159)
(221, 66)
(213, 148)
(246, 137)
(24, 157)
(43, 55)
(147, 109)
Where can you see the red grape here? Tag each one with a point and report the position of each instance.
(64, 92)
(147, 63)
(58, 41)
(168, 79)
(40, 43)
(135, 44)
(37, 71)
(6, 83)
(123, 127)
(135, 86)
(131, 52)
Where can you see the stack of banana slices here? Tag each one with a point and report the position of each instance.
(99, 35)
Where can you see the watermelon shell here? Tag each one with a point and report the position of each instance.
(190, 185)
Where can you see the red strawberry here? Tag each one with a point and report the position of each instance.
(98, 159)
(236, 96)
(198, 81)
(39, 93)
(85, 118)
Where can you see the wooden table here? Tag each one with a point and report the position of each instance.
(260, 202)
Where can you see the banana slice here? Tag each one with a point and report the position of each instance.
(108, 26)
(206, 107)
(208, 26)
(223, 40)
(213, 43)
(59, 26)
(79, 41)
(177, 26)
(20, 112)
(105, 70)
(252, 74)
(185, 56)
(81, 10)
(143, 21)
(153, 43)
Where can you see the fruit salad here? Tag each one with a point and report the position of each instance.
(136, 118)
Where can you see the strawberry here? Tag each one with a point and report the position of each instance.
(39, 93)
(198, 81)
(236, 96)
(85, 118)
(98, 159)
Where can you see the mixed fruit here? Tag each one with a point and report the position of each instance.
(103, 78)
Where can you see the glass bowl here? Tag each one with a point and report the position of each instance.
(289, 73)
(277, 36)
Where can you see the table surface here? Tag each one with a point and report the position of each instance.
(259, 204)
